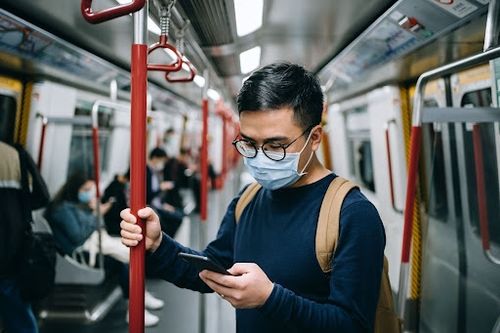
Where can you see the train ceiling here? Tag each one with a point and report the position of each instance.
(323, 35)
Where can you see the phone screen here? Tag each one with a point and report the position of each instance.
(202, 263)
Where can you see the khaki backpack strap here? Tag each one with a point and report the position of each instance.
(245, 199)
(327, 232)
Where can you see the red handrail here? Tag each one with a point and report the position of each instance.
(42, 141)
(107, 14)
(204, 161)
(481, 194)
(389, 164)
(190, 78)
(137, 182)
(163, 44)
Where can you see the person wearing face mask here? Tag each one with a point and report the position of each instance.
(73, 221)
(276, 283)
(156, 190)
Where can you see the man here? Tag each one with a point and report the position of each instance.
(15, 311)
(277, 284)
(157, 189)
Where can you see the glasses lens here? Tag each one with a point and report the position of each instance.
(245, 148)
(274, 151)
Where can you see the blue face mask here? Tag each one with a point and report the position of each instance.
(85, 197)
(274, 175)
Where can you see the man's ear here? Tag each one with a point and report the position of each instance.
(316, 136)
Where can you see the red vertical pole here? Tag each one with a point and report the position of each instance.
(481, 187)
(204, 161)
(415, 140)
(42, 142)
(137, 182)
(224, 146)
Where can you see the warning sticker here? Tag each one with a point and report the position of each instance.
(459, 8)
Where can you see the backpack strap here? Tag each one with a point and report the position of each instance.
(327, 232)
(245, 198)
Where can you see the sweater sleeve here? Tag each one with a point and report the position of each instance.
(166, 264)
(354, 281)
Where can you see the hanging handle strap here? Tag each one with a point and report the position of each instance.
(108, 14)
(176, 65)
(190, 68)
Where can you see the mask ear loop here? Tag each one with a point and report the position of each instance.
(310, 156)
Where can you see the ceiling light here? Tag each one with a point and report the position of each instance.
(213, 94)
(153, 27)
(248, 15)
(249, 60)
(199, 80)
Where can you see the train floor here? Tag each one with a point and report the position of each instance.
(185, 311)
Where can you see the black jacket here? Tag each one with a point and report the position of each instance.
(16, 205)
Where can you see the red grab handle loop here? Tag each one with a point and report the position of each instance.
(107, 14)
(163, 44)
(190, 78)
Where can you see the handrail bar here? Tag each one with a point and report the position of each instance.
(415, 141)
(107, 14)
(97, 167)
(481, 194)
(491, 31)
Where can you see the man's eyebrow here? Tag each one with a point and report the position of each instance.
(274, 138)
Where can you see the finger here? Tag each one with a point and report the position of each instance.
(129, 235)
(133, 228)
(129, 242)
(221, 279)
(221, 290)
(127, 216)
(146, 213)
(241, 268)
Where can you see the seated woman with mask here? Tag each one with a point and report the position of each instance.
(74, 224)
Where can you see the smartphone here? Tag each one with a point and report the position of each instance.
(202, 263)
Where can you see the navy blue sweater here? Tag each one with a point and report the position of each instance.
(277, 231)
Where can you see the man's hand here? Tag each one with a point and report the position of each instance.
(132, 234)
(248, 286)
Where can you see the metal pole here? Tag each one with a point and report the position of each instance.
(138, 165)
(491, 32)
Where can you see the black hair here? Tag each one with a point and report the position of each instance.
(69, 191)
(158, 153)
(283, 85)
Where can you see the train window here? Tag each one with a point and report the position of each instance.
(490, 165)
(81, 156)
(8, 107)
(437, 204)
(360, 148)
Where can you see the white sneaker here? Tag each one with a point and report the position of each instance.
(149, 319)
(151, 302)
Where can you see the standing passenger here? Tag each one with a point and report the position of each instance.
(276, 283)
(16, 313)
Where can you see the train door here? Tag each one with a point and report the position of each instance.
(478, 147)
(10, 95)
(389, 168)
(441, 264)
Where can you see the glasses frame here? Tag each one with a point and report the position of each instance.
(257, 148)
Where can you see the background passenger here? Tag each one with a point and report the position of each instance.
(74, 224)
(16, 313)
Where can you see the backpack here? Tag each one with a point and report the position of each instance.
(327, 234)
(36, 272)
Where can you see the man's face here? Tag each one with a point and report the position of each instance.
(277, 126)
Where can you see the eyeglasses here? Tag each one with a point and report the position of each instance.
(272, 150)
